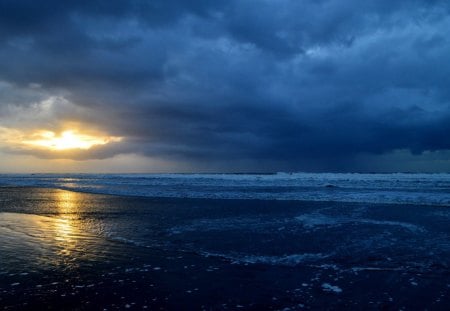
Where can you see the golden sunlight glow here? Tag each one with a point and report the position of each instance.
(67, 140)
(67, 232)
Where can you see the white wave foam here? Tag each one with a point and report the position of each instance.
(286, 260)
(314, 220)
(331, 288)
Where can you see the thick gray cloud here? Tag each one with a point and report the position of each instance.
(285, 85)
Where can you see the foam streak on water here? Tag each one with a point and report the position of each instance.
(399, 188)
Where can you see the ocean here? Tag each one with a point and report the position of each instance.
(285, 241)
(399, 188)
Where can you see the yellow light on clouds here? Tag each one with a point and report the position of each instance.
(68, 140)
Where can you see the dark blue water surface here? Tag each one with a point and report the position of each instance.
(68, 250)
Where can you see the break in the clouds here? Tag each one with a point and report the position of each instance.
(232, 85)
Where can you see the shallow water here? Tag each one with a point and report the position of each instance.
(73, 250)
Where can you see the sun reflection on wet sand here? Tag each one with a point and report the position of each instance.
(60, 240)
(59, 234)
(67, 228)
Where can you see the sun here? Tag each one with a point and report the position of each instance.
(68, 140)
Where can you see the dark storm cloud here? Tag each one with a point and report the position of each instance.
(292, 82)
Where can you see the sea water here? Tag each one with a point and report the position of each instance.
(258, 241)
(398, 188)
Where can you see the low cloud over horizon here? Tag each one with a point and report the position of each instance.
(330, 85)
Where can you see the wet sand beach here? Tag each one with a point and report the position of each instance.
(63, 250)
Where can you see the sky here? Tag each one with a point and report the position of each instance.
(224, 86)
